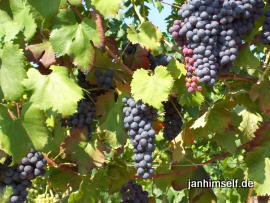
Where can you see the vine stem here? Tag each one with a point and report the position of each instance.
(18, 110)
(61, 167)
(239, 77)
(75, 9)
(137, 12)
(126, 68)
(172, 5)
(11, 114)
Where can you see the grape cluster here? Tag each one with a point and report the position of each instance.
(138, 118)
(132, 193)
(83, 118)
(173, 122)
(266, 29)
(19, 176)
(105, 80)
(210, 34)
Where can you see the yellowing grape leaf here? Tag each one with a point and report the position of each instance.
(152, 89)
(106, 8)
(148, 36)
(176, 68)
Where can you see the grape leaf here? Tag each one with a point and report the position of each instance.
(246, 58)
(148, 35)
(55, 91)
(108, 9)
(75, 2)
(177, 149)
(75, 40)
(176, 68)
(33, 121)
(112, 124)
(19, 19)
(250, 123)
(46, 10)
(259, 92)
(258, 163)
(42, 52)
(185, 98)
(13, 137)
(12, 65)
(23, 18)
(85, 154)
(216, 120)
(153, 89)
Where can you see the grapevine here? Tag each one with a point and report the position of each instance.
(132, 101)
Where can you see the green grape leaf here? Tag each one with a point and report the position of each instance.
(75, 2)
(14, 139)
(75, 40)
(45, 9)
(184, 98)
(33, 121)
(55, 91)
(259, 92)
(152, 89)
(246, 58)
(85, 154)
(59, 179)
(176, 68)
(17, 19)
(216, 120)
(108, 9)
(148, 35)
(226, 140)
(250, 123)
(112, 121)
(12, 65)
(258, 163)
(23, 18)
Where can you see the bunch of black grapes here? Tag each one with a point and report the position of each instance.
(173, 122)
(160, 60)
(132, 192)
(105, 81)
(84, 116)
(138, 118)
(210, 32)
(85, 113)
(266, 29)
(20, 176)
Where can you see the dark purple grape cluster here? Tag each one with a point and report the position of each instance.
(213, 31)
(19, 176)
(133, 193)
(160, 60)
(173, 122)
(83, 118)
(105, 81)
(266, 29)
(138, 118)
(32, 165)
